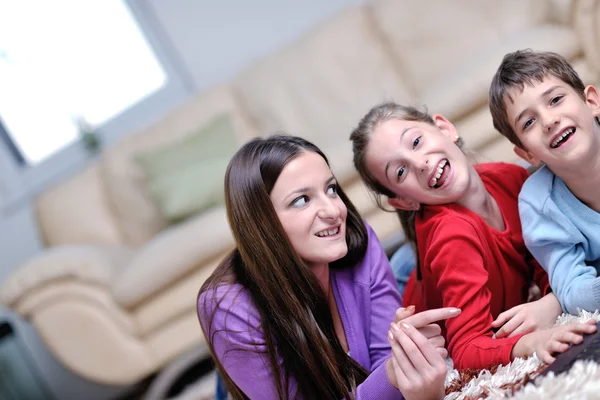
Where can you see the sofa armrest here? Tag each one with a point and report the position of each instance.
(586, 23)
(92, 264)
(172, 254)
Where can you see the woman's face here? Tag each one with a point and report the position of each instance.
(312, 214)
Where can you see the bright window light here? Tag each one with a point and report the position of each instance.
(61, 60)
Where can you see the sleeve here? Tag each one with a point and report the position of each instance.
(384, 298)
(456, 262)
(239, 345)
(547, 236)
(540, 276)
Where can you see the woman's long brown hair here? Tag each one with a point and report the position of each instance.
(295, 318)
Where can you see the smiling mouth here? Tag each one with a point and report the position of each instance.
(440, 174)
(328, 232)
(561, 139)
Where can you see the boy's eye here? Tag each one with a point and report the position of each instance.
(527, 123)
(400, 173)
(332, 189)
(300, 201)
(555, 99)
(416, 142)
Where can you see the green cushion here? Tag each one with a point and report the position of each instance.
(186, 177)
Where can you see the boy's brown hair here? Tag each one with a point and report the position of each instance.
(526, 67)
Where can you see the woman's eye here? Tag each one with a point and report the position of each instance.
(300, 201)
(332, 189)
(555, 99)
(400, 173)
(527, 123)
(416, 142)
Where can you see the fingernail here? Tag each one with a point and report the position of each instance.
(405, 326)
(390, 335)
(394, 327)
(454, 311)
(410, 308)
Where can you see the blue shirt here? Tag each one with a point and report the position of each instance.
(563, 234)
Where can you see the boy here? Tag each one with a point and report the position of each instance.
(540, 104)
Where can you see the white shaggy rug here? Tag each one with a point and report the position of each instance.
(581, 382)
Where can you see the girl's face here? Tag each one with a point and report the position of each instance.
(419, 162)
(312, 214)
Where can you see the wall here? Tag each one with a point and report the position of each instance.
(217, 39)
(204, 42)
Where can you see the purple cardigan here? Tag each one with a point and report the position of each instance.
(367, 298)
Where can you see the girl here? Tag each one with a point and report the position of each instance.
(465, 222)
(302, 307)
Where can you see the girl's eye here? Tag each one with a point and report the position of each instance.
(332, 189)
(555, 99)
(527, 123)
(416, 142)
(300, 201)
(400, 173)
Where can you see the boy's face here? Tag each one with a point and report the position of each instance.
(555, 125)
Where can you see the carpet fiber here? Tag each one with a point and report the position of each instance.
(514, 381)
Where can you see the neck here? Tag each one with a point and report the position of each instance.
(321, 271)
(481, 202)
(584, 182)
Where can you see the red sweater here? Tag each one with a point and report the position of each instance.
(466, 263)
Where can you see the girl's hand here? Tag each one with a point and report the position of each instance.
(425, 323)
(529, 317)
(418, 369)
(548, 342)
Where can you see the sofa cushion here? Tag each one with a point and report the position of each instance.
(585, 23)
(321, 85)
(187, 176)
(138, 214)
(458, 91)
(93, 264)
(427, 38)
(173, 253)
(77, 212)
(169, 304)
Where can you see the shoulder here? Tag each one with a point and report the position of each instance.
(508, 176)
(227, 306)
(537, 188)
(446, 222)
(371, 261)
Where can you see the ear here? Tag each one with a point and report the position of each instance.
(445, 126)
(402, 203)
(527, 156)
(592, 99)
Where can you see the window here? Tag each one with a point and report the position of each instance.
(63, 60)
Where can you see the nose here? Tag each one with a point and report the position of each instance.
(328, 209)
(423, 164)
(549, 120)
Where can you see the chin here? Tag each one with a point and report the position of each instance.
(335, 255)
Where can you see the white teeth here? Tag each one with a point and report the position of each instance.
(559, 139)
(439, 172)
(329, 232)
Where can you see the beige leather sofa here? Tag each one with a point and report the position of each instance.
(113, 295)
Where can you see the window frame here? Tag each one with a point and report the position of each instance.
(22, 182)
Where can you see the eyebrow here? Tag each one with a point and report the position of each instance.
(387, 165)
(306, 189)
(546, 93)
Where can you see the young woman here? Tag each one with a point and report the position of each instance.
(303, 307)
(465, 222)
